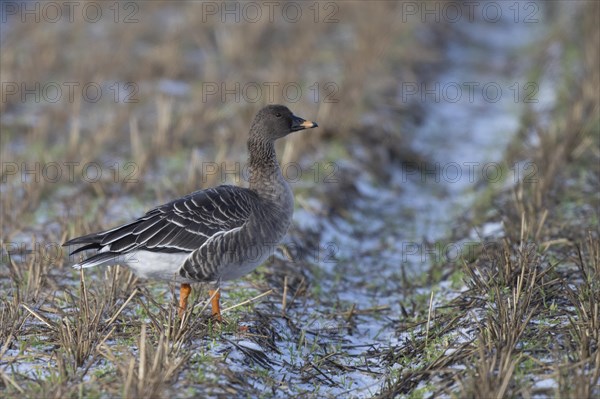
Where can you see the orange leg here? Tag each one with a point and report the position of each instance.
(184, 292)
(216, 309)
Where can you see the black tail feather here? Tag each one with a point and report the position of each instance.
(90, 238)
(86, 247)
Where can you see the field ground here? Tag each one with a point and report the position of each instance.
(388, 284)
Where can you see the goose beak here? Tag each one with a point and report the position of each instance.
(301, 124)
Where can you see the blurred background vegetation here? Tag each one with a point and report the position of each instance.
(143, 78)
(160, 89)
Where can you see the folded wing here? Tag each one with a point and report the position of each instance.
(183, 225)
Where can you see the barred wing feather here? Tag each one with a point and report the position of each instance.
(182, 225)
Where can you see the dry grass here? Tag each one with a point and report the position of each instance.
(529, 310)
(148, 374)
(63, 334)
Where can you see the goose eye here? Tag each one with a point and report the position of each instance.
(278, 114)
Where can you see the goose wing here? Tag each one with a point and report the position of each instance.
(182, 225)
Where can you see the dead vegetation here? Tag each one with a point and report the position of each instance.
(529, 308)
(527, 323)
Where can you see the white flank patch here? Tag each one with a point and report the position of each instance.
(156, 265)
(146, 264)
